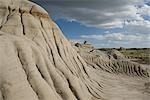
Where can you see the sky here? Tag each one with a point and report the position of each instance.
(103, 23)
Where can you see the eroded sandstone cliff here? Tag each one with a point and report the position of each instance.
(38, 63)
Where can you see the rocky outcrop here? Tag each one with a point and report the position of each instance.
(113, 61)
(38, 63)
(116, 54)
(116, 73)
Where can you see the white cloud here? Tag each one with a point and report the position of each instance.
(141, 22)
(76, 40)
(126, 14)
(144, 10)
(118, 40)
(95, 13)
(131, 16)
(119, 37)
(137, 26)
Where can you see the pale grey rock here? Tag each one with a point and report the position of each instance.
(38, 63)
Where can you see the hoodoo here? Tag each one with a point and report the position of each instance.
(38, 63)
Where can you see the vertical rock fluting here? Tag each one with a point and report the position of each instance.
(38, 63)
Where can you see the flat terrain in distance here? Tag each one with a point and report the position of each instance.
(139, 55)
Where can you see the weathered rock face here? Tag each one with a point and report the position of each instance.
(38, 63)
(119, 78)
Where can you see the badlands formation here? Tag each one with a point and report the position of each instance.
(38, 63)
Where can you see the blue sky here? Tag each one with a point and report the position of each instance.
(121, 23)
